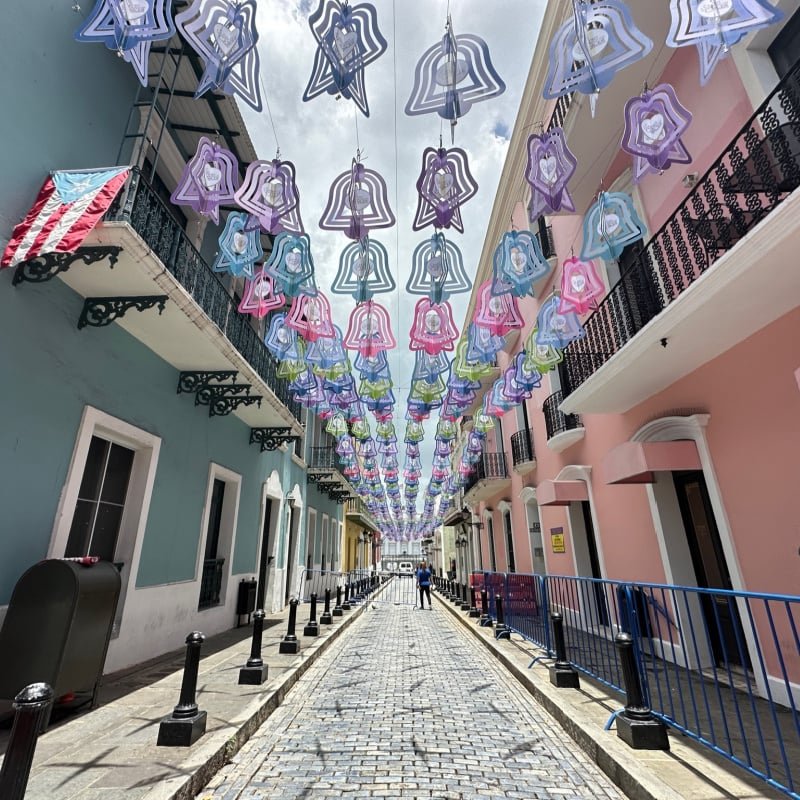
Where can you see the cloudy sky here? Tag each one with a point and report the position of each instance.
(321, 136)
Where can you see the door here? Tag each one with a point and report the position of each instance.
(721, 612)
(211, 581)
(290, 554)
(512, 564)
(492, 555)
(264, 562)
(594, 561)
(535, 534)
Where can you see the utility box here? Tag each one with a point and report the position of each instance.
(246, 599)
(58, 627)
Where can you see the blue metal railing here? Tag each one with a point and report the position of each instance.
(722, 667)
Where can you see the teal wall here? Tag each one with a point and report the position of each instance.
(323, 505)
(50, 372)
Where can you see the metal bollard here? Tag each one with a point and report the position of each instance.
(289, 643)
(327, 617)
(337, 609)
(187, 723)
(32, 707)
(562, 673)
(464, 595)
(346, 605)
(312, 626)
(456, 596)
(501, 631)
(254, 672)
(473, 608)
(486, 620)
(636, 725)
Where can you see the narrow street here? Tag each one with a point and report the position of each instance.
(407, 705)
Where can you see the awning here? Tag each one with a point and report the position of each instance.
(637, 462)
(561, 493)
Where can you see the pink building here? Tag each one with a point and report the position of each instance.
(664, 448)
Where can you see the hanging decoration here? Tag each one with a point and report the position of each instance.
(444, 185)
(369, 329)
(654, 124)
(714, 26)
(588, 50)
(555, 327)
(223, 33)
(433, 328)
(437, 270)
(517, 264)
(291, 266)
(358, 202)
(429, 366)
(363, 271)
(239, 246)
(209, 179)
(539, 356)
(269, 192)
(260, 297)
(452, 75)
(348, 39)
(129, 27)
(282, 341)
(311, 316)
(581, 286)
(609, 226)
(551, 164)
(499, 314)
(483, 345)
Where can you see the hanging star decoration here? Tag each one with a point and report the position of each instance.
(452, 75)
(348, 39)
(129, 27)
(223, 33)
(654, 125)
(550, 166)
(209, 179)
(269, 192)
(444, 185)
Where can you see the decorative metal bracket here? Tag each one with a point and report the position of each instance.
(101, 311)
(206, 395)
(194, 381)
(271, 438)
(316, 477)
(222, 406)
(45, 267)
(327, 486)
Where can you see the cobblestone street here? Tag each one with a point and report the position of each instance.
(407, 705)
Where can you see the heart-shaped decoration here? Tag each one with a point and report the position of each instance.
(596, 41)
(272, 193)
(496, 306)
(362, 267)
(548, 168)
(313, 313)
(578, 282)
(211, 176)
(263, 287)
(344, 43)
(369, 326)
(653, 128)
(239, 243)
(559, 323)
(283, 336)
(714, 9)
(361, 198)
(134, 10)
(443, 183)
(608, 224)
(432, 322)
(518, 260)
(294, 261)
(226, 38)
(542, 350)
(452, 72)
(434, 267)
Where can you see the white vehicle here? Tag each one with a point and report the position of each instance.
(405, 568)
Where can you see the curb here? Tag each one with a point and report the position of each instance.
(611, 755)
(255, 715)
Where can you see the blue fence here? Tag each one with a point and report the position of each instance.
(721, 667)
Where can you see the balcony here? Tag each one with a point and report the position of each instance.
(489, 478)
(200, 328)
(355, 509)
(523, 455)
(563, 430)
(325, 471)
(688, 295)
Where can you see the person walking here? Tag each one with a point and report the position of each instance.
(424, 585)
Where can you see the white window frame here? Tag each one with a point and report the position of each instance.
(311, 532)
(323, 540)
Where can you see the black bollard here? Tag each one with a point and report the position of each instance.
(464, 603)
(473, 609)
(486, 620)
(32, 707)
(327, 617)
(501, 631)
(456, 594)
(636, 725)
(289, 643)
(346, 605)
(187, 723)
(312, 626)
(254, 672)
(337, 609)
(562, 673)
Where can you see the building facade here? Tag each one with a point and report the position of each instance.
(155, 434)
(663, 447)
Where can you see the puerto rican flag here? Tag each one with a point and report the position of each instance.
(68, 207)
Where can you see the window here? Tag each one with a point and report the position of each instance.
(211, 581)
(101, 501)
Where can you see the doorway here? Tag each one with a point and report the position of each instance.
(265, 559)
(721, 613)
(601, 605)
(492, 555)
(511, 564)
(290, 554)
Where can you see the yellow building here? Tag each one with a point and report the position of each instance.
(362, 540)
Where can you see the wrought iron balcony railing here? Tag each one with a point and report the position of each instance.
(492, 466)
(324, 458)
(211, 582)
(141, 207)
(556, 421)
(545, 237)
(753, 176)
(522, 451)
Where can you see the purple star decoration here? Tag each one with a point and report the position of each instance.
(269, 192)
(223, 33)
(654, 124)
(443, 186)
(550, 166)
(347, 40)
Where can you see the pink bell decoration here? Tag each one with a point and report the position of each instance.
(260, 297)
(311, 317)
(369, 330)
(581, 286)
(433, 329)
(498, 314)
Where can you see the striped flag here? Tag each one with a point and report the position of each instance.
(68, 207)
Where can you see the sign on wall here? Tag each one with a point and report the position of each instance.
(557, 540)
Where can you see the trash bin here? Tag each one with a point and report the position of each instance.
(58, 626)
(246, 599)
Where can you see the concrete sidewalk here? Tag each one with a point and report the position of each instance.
(686, 770)
(111, 752)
